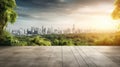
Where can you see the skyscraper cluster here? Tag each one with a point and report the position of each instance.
(49, 30)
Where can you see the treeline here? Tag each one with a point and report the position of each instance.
(83, 39)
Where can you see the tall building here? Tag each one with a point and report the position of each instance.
(73, 29)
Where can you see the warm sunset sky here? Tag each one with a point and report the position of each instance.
(85, 14)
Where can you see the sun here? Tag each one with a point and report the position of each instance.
(105, 24)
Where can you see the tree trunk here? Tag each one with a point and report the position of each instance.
(2, 27)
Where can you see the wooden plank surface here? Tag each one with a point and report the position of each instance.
(87, 59)
(56, 58)
(112, 53)
(60, 56)
(68, 58)
(79, 57)
(99, 59)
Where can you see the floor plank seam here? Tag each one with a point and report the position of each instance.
(88, 56)
(104, 55)
(50, 56)
(62, 55)
(75, 57)
(82, 56)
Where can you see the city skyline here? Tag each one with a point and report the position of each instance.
(51, 30)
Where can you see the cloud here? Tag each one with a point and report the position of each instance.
(42, 9)
(64, 6)
(37, 12)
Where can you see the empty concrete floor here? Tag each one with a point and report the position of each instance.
(60, 56)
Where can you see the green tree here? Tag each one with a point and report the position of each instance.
(7, 13)
(116, 12)
(116, 15)
(41, 41)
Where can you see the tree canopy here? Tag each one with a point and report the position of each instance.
(7, 13)
(116, 12)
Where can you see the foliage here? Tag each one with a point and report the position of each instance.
(69, 40)
(6, 39)
(104, 41)
(116, 12)
(40, 41)
(63, 42)
(116, 38)
(33, 41)
(116, 15)
(89, 39)
(7, 13)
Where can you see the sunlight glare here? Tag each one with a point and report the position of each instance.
(105, 24)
